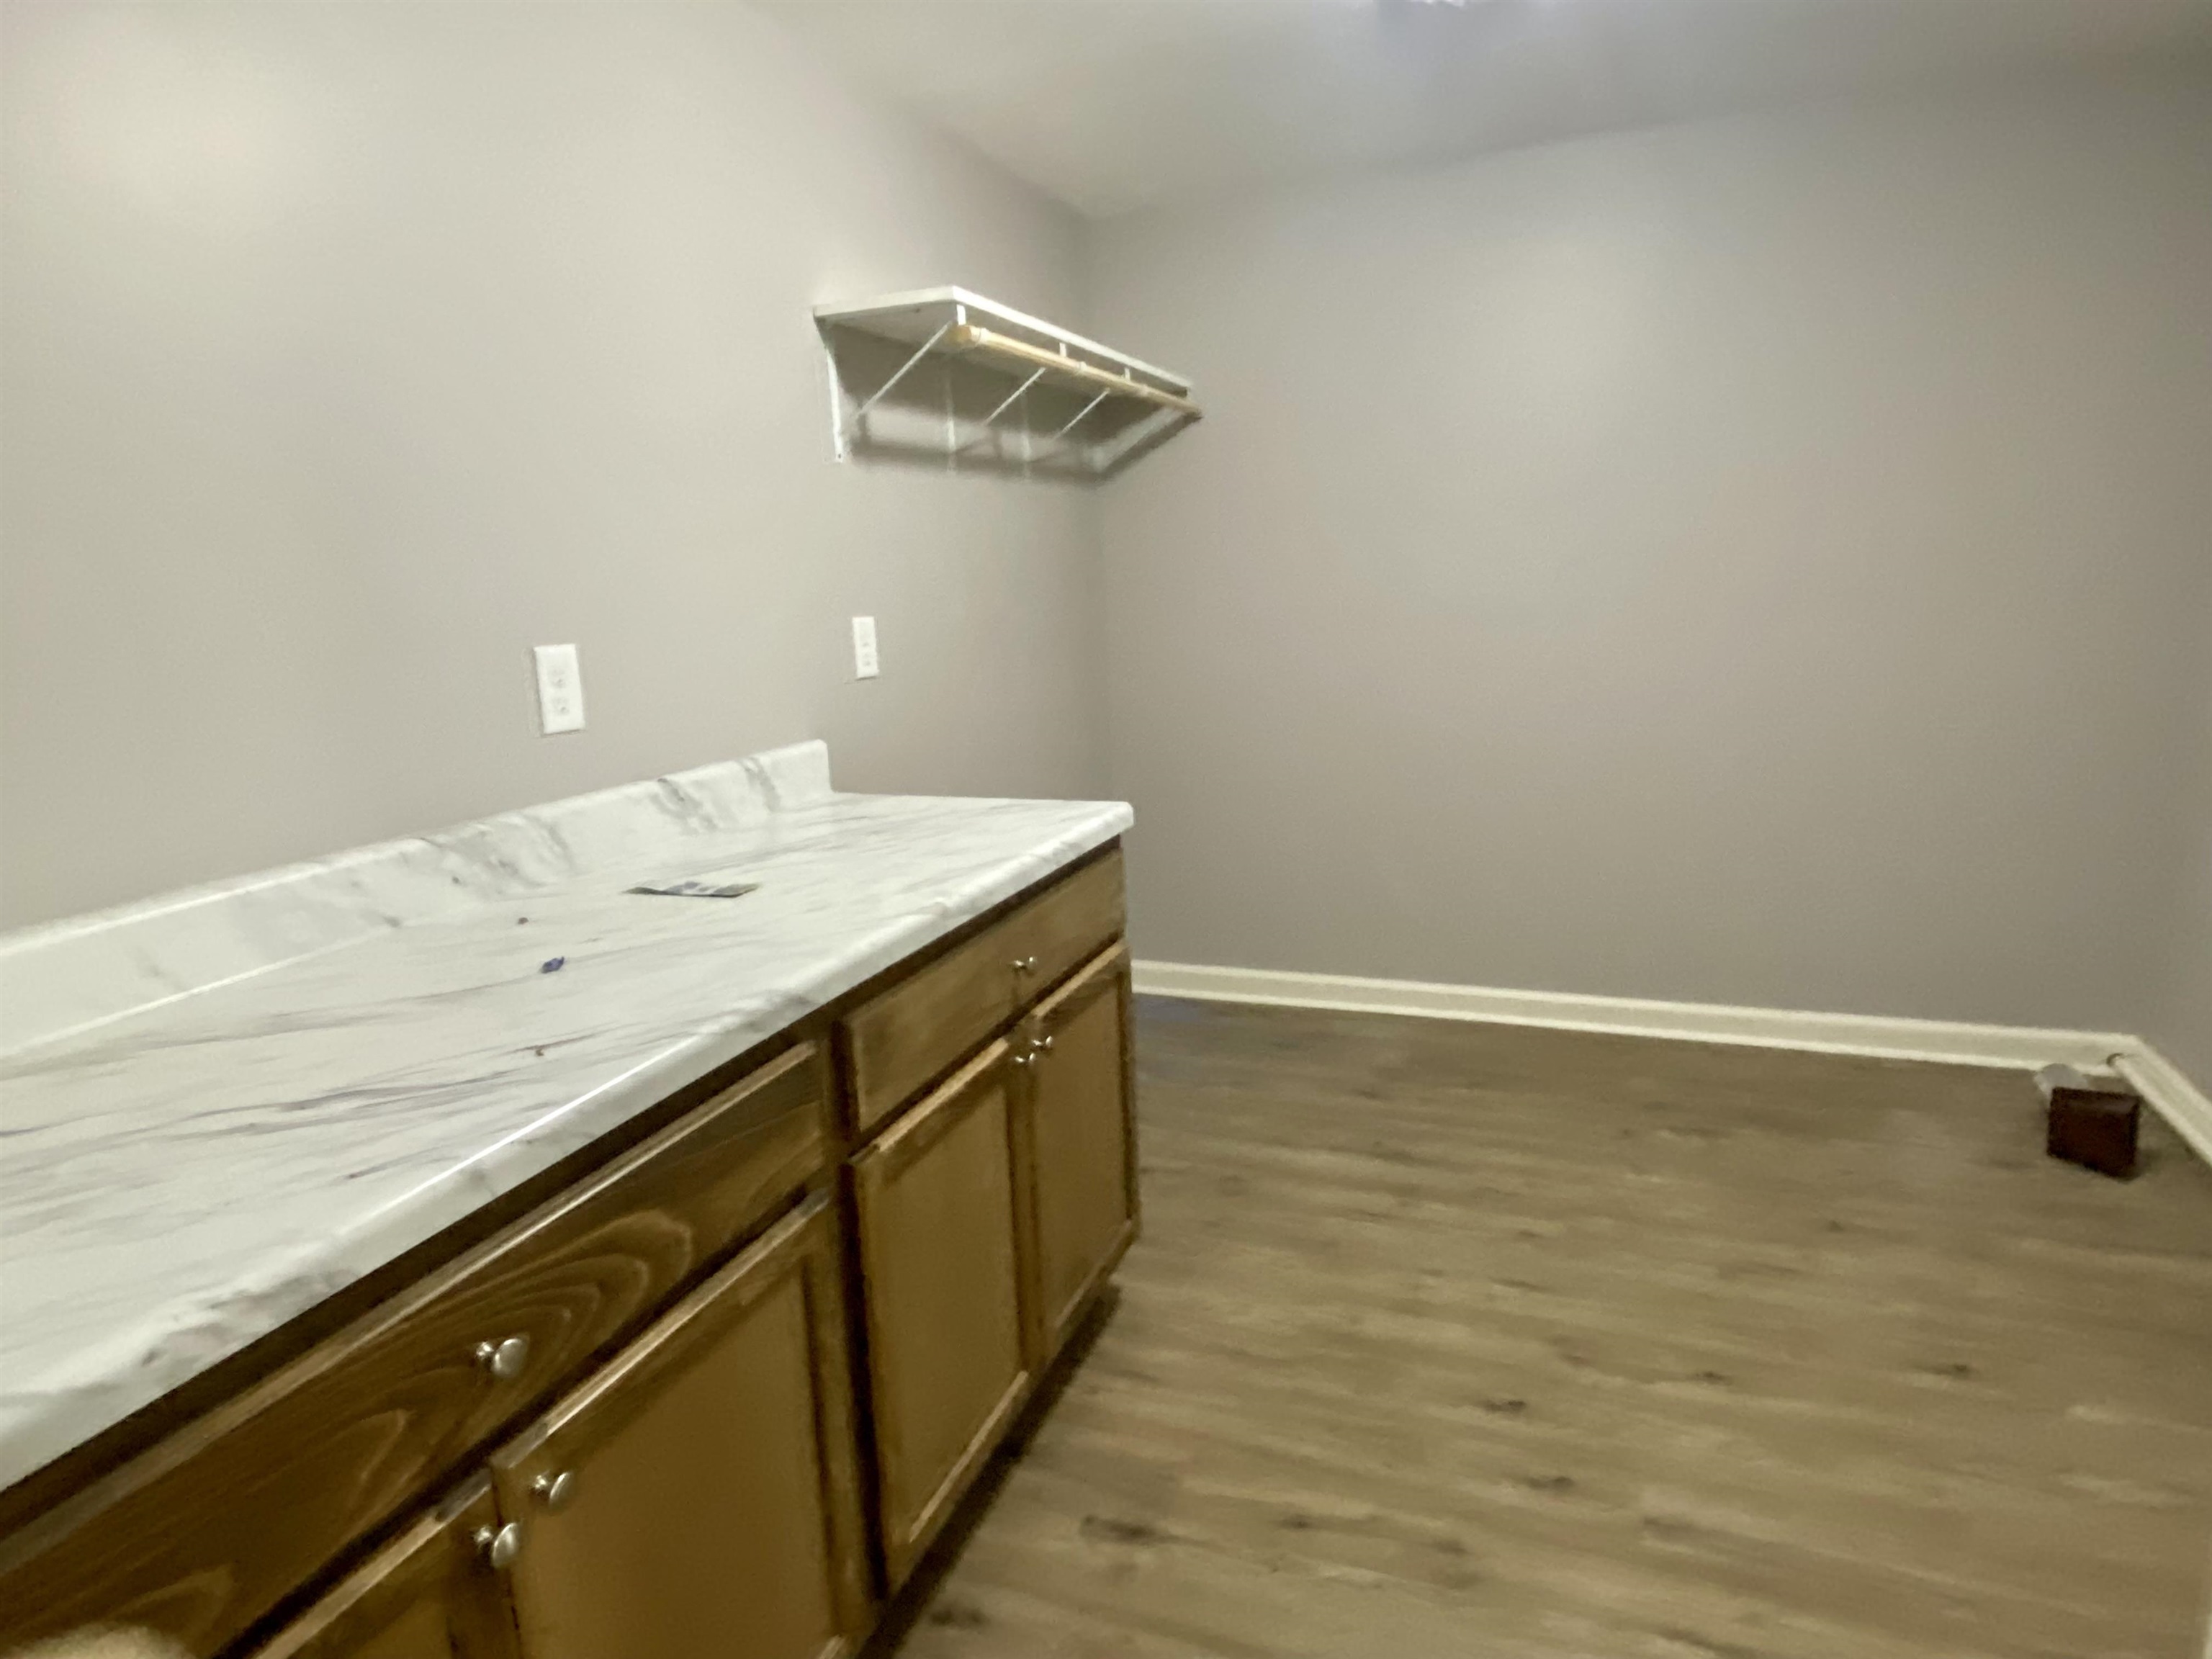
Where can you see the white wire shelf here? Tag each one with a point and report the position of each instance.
(1073, 406)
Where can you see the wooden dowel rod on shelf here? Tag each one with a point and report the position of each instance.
(966, 337)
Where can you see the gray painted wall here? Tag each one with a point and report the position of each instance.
(1764, 560)
(2181, 1027)
(1761, 561)
(352, 349)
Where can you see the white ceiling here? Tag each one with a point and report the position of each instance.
(1114, 104)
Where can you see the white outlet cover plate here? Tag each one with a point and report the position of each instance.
(865, 663)
(560, 689)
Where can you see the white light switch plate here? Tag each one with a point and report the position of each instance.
(865, 666)
(560, 689)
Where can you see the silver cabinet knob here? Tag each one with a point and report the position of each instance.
(1043, 1044)
(504, 1360)
(554, 1491)
(1024, 1057)
(1025, 964)
(501, 1545)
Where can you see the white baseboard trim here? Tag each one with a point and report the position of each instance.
(2162, 1084)
(2016, 1047)
(2169, 1092)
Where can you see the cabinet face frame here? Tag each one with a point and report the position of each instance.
(435, 1562)
(900, 1039)
(985, 1085)
(1105, 976)
(804, 1244)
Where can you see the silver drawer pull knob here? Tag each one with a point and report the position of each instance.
(501, 1546)
(554, 1491)
(1029, 1058)
(1044, 1042)
(1025, 964)
(505, 1360)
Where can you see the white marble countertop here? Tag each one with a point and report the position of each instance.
(205, 1161)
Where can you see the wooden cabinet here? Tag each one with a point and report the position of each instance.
(432, 1593)
(697, 1496)
(935, 1200)
(1079, 1126)
(672, 1331)
(903, 1038)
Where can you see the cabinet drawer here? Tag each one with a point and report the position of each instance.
(203, 1533)
(916, 1031)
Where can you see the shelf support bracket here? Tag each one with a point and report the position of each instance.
(877, 396)
(1005, 404)
(1080, 413)
(838, 447)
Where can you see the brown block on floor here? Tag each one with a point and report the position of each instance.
(2095, 1128)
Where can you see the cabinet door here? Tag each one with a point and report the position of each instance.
(1080, 1128)
(935, 1201)
(432, 1593)
(698, 1495)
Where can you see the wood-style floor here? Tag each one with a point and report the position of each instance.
(1458, 1339)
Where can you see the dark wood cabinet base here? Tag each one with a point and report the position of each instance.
(737, 1376)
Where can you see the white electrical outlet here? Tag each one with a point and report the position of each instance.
(865, 666)
(560, 689)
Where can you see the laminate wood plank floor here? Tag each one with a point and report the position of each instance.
(1448, 1339)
